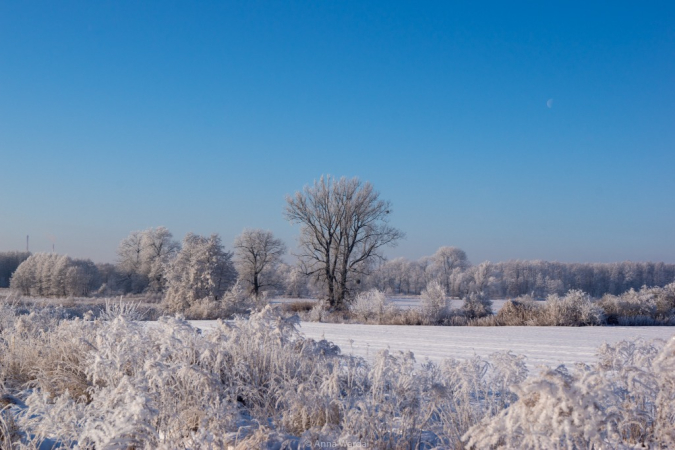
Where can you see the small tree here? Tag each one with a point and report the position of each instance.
(201, 270)
(372, 305)
(257, 257)
(434, 302)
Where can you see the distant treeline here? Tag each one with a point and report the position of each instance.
(515, 278)
(146, 260)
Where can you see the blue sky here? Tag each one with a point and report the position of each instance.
(202, 116)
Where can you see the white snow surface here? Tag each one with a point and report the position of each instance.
(541, 345)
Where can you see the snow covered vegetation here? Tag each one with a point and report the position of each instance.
(258, 383)
(648, 306)
(344, 227)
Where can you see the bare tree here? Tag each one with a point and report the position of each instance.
(257, 256)
(344, 225)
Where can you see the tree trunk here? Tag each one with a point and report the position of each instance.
(256, 285)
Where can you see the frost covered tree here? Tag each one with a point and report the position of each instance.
(202, 269)
(434, 302)
(130, 262)
(158, 249)
(295, 281)
(53, 275)
(447, 260)
(143, 256)
(344, 225)
(81, 278)
(257, 257)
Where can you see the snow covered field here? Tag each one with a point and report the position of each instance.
(541, 345)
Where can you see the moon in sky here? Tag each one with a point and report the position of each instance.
(549, 103)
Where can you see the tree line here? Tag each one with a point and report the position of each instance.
(515, 278)
(344, 226)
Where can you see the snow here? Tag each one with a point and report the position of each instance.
(541, 345)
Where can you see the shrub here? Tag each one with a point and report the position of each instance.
(576, 308)
(301, 306)
(234, 301)
(372, 306)
(258, 383)
(518, 312)
(477, 305)
(624, 401)
(648, 306)
(434, 303)
(129, 309)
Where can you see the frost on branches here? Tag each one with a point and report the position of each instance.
(202, 271)
(259, 383)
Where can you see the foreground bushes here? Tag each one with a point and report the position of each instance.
(625, 401)
(121, 384)
(258, 383)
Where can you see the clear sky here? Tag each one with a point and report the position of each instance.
(511, 130)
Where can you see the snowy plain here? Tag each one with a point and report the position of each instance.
(540, 345)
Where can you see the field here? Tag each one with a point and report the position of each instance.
(540, 345)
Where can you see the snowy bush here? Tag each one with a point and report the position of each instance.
(477, 305)
(648, 306)
(372, 306)
(258, 383)
(624, 401)
(115, 308)
(576, 308)
(517, 312)
(434, 303)
(233, 301)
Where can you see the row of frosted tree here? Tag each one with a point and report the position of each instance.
(344, 226)
(152, 262)
(514, 278)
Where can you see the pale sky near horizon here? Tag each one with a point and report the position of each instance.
(511, 130)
